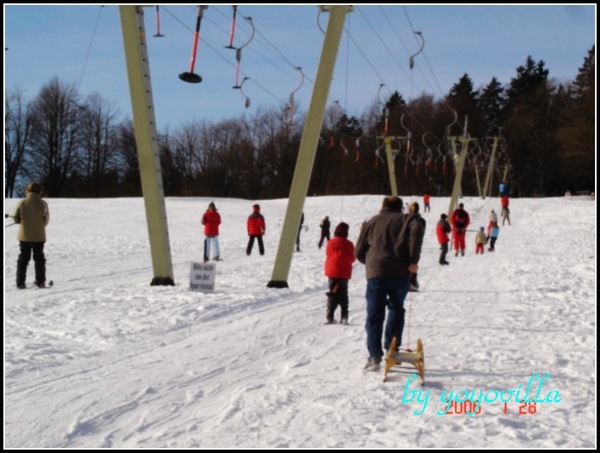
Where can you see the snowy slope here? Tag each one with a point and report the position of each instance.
(104, 360)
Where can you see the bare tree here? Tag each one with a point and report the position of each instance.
(129, 165)
(55, 138)
(17, 127)
(98, 134)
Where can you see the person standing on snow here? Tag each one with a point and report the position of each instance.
(339, 256)
(480, 241)
(459, 219)
(505, 213)
(442, 229)
(426, 199)
(32, 215)
(493, 233)
(256, 226)
(389, 245)
(299, 231)
(414, 212)
(325, 227)
(211, 220)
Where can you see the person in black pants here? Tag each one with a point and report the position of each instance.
(256, 229)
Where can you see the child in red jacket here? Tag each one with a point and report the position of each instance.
(339, 256)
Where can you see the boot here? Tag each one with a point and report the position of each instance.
(330, 311)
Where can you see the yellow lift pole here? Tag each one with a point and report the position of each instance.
(140, 88)
(308, 144)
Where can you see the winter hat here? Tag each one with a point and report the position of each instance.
(211, 205)
(444, 216)
(341, 230)
(461, 205)
(481, 229)
(256, 207)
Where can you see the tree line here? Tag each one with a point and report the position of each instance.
(543, 134)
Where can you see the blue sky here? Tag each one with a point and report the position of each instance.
(83, 45)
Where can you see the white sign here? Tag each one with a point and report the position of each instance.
(202, 277)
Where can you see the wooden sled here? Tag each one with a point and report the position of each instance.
(396, 359)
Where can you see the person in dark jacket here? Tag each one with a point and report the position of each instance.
(256, 229)
(325, 227)
(389, 245)
(299, 231)
(339, 256)
(414, 211)
(442, 229)
(32, 215)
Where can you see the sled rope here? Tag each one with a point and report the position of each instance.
(409, 321)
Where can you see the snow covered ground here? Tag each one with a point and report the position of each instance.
(104, 360)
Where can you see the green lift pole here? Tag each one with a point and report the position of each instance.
(459, 162)
(308, 144)
(390, 163)
(488, 176)
(138, 70)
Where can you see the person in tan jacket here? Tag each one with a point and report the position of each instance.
(32, 215)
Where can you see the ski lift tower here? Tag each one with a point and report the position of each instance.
(459, 162)
(140, 88)
(308, 144)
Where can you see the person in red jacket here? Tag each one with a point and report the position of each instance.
(426, 199)
(339, 256)
(442, 229)
(256, 229)
(505, 213)
(459, 219)
(211, 220)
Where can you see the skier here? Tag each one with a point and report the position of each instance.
(32, 215)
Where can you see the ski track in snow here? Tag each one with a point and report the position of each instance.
(104, 360)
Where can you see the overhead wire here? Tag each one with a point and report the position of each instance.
(385, 46)
(289, 67)
(219, 52)
(89, 49)
(442, 94)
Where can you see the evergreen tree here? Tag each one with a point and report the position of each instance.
(576, 131)
(530, 119)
